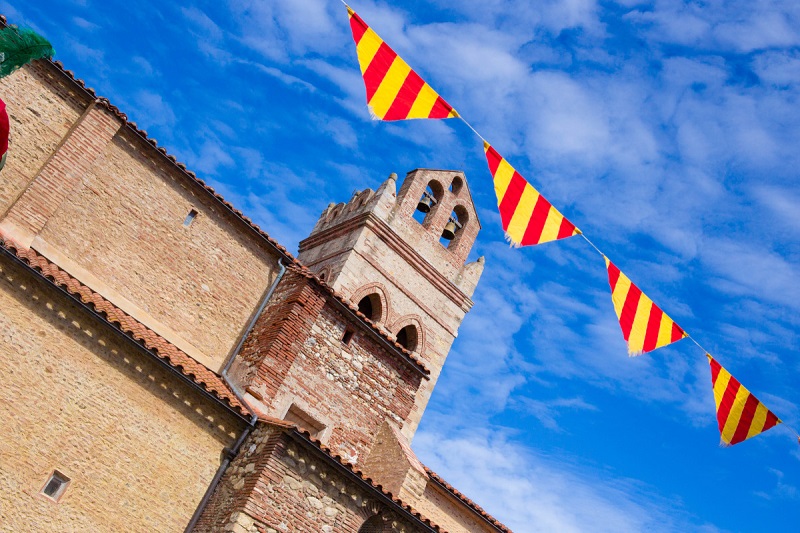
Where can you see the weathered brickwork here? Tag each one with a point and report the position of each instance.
(279, 485)
(125, 225)
(295, 354)
(41, 109)
(61, 174)
(139, 446)
(374, 241)
(452, 193)
(393, 463)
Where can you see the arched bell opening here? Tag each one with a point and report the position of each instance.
(454, 227)
(428, 202)
(408, 338)
(370, 306)
(460, 218)
(456, 184)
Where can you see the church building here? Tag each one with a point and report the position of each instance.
(167, 366)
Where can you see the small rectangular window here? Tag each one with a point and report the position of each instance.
(190, 217)
(348, 335)
(56, 485)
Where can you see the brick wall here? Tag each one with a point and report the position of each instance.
(277, 484)
(41, 109)
(295, 355)
(91, 195)
(373, 244)
(139, 446)
(125, 225)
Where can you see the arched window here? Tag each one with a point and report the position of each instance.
(370, 306)
(456, 184)
(376, 524)
(452, 231)
(428, 201)
(408, 338)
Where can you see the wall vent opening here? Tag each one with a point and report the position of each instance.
(348, 336)
(190, 218)
(297, 416)
(56, 485)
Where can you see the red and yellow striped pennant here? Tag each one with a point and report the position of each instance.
(644, 325)
(739, 414)
(394, 91)
(527, 217)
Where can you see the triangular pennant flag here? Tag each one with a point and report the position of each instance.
(644, 325)
(527, 217)
(394, 91)
(739, 414)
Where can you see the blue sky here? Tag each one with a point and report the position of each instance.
(666, 131)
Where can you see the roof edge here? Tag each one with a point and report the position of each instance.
(468, 502)
(191, 372)
(302, 436)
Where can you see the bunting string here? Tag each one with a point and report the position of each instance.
(395, 92)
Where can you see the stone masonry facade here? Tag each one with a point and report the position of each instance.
(177, 366)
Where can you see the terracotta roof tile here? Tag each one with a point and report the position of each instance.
(475, 507)
(129, 326)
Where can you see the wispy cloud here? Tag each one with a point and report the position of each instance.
(533, 493)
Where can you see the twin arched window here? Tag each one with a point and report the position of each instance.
(371, 306)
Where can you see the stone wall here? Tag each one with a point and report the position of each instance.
(296, 355)
(139, 446)
(279, 484)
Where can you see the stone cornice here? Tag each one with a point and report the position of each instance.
(396, 244)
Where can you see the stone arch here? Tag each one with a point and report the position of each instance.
(437, 191)
(461, 214)
(378, 301)
(416, 344)
(375, 524)
(365, 196)
(335, 212)
(456, 184)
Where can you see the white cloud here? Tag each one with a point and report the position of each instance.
(298, 28)
(153, 110)
(530, 492)
(547, 411)
(752, 271)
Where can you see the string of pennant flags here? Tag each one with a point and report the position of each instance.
(394, 91)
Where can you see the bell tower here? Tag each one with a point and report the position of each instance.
(401, 256)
